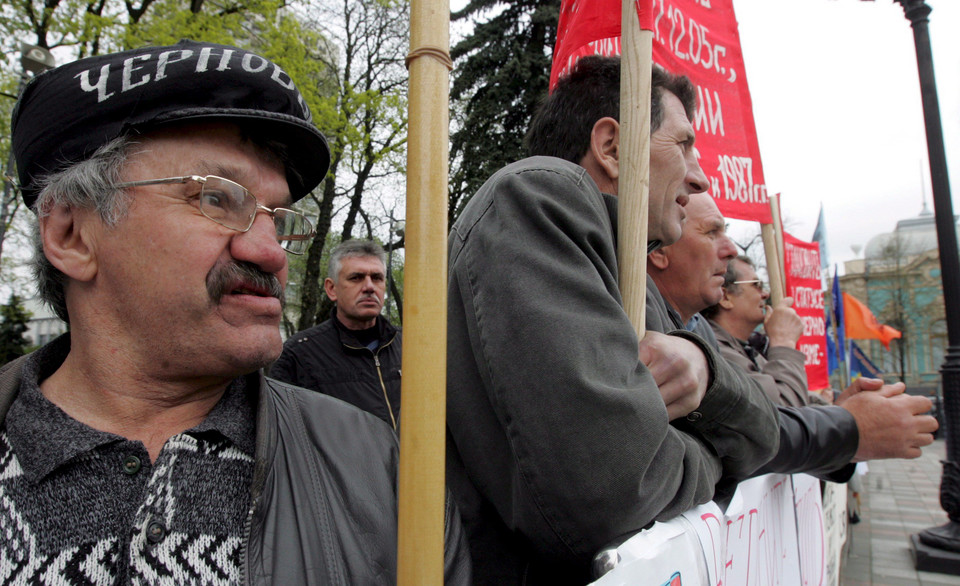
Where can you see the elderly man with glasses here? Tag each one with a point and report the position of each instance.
(771, 355)
(146, 446)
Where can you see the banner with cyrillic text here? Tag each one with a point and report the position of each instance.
(771, 533)
(802, 268)
(699, 39)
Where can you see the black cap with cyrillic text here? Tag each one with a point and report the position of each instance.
(64, 115)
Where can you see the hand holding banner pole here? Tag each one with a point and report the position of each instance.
(634, 181)
(422, 437)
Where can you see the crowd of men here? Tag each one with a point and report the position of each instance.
(146, 445)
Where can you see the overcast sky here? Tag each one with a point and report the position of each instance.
(836, 98)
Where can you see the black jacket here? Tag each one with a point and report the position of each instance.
(329, 359)
(324, 492)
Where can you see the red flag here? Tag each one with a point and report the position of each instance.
(802, 270)
(860, 323)
(591, 27)
(700, 40)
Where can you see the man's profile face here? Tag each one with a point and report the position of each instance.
(698, 260)
(748, 301)
(155, 266)
(358, 291)
(675, 173)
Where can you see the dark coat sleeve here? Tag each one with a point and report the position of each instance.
(819, 440)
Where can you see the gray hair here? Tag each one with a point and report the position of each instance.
(85, 185)
(731, 275)
(353, 248)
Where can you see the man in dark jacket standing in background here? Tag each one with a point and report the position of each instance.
(354, 355)
(145, 445)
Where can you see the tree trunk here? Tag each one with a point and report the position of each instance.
(310, 287)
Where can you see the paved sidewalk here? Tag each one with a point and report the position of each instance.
(900, 498)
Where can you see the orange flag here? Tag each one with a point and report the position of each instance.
(860, 323)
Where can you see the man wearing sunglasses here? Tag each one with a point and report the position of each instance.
(771, 356)
(145, 445)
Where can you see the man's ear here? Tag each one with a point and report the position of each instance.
(328, 289)
(68, 241)
(605, 146)
(725, 301)
(658, 259)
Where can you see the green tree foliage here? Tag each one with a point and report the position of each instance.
(502, 72)
(12, 328)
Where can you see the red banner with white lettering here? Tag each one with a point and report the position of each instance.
(699, 39)
(802, 268)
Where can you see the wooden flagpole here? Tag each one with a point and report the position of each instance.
(772, 236)
(423, 387)
(778, 232)
(774, 272)
(634, 181)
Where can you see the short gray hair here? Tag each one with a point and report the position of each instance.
(353, 248)
(84, 185)
(731, 276)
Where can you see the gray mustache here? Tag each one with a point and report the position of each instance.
(222, 278)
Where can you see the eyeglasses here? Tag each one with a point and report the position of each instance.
(231, 205)
(757, 284)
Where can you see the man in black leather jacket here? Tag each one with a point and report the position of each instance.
(354, 355)
(145, 445)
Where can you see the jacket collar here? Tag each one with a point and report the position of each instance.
(386, 331)
(66, 437)
(611, 202)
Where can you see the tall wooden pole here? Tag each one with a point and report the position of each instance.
(772, 237)
(778, 232)
(634, 181)
(774, 272)
(423, 387)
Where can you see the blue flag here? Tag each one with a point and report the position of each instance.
(832, 362)
(820, 237)
(860, 365)
(838, 315)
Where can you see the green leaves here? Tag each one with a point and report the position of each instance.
(13, 326)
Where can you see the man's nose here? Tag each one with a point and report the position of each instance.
(727, 249)
(696, 179)
(259, 245)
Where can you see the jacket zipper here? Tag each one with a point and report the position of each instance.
(247, 527)
(383, 387)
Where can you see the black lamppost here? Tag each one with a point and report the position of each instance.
(938, 549)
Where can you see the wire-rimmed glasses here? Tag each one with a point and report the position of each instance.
(231, 205)
(757, 284)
